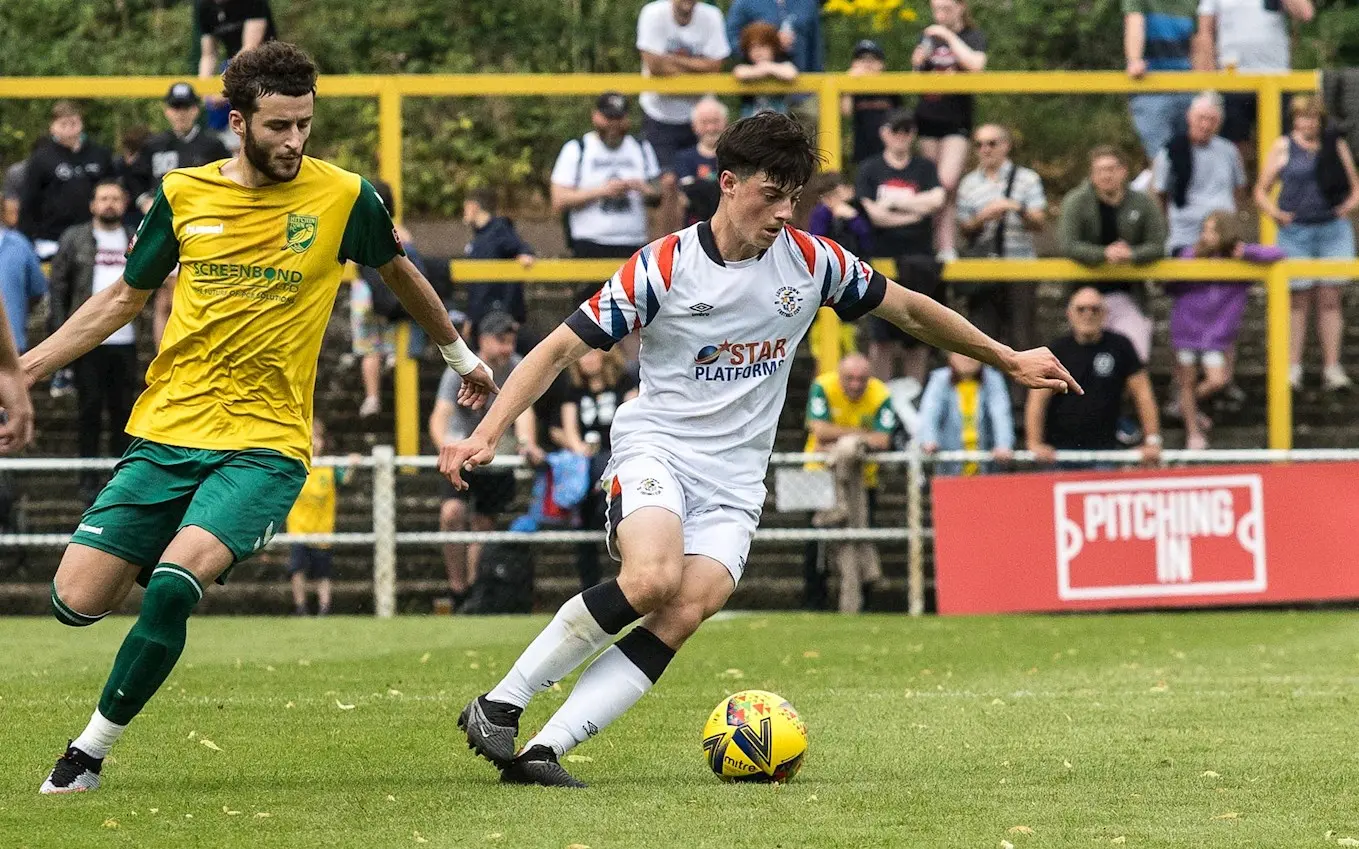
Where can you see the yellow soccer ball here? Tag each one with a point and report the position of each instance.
(754, 735)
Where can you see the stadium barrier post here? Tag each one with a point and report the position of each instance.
(406, 392)
(915, 546)
(384, 531)
(1276, 351)
(1269, 121)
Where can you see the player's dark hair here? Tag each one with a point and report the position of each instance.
(486, 199)
(384, 193)
(772, 143)
(275, 67)
(110, 181)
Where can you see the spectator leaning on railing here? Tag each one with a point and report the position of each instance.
(901, 194)
(696, 167)
(1250, 36)
(1000, 206)
(1157, 35)
(1318, 190)
(1107, 367)
(763, 59)
(952, 44)
(1205, 318)
(849, 413)
(676, 37)
(601, 183)
(966, 407)
(798, 23)
(1197, 172)
(493, 237)
(867, 111)
(1104, 222)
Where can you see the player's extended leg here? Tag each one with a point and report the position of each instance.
(651, 541)
(192, 561)
(623, 673)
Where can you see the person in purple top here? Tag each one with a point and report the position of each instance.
(837, 216)
(1205, 318)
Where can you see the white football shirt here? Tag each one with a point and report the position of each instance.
(588, 163)
(718, 340)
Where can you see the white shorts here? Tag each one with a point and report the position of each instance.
(1209, 359)
(711, 528)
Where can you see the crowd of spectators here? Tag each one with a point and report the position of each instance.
(925, 183)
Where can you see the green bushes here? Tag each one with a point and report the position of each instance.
(452, 145)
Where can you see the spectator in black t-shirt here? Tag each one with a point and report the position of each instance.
(60, 179)
(868, 111)
(1106, 366)
(900, 193)
(696, 167)
(225, 28)
(953, 44)
(493, 237)
(184, 145)
(600, 383)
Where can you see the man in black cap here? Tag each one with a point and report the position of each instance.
(185, 145)
(868, 111)
(602, 183)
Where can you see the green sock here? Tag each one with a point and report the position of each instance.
(154, 644)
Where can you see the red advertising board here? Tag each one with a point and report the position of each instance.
(1236, 535)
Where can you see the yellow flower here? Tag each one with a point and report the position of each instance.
(908, 15)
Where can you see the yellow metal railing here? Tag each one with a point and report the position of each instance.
(391, 90)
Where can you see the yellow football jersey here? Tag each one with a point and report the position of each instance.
(258, 274)
(314, 510)
(828, 402)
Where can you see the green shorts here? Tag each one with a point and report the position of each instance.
(240, 497)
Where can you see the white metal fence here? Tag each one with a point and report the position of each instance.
(384, 538)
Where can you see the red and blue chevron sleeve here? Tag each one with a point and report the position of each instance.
(631, 299)
(849, 285)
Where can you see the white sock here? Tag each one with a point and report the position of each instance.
(606, 689)
(99, 736)
(567, 642)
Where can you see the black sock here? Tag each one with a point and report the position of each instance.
(610, 608)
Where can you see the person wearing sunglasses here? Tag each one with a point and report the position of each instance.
(1108, 368)
(1000, 206)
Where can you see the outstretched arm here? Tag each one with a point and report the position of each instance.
(96, 319)
(423, 304)
(526, 384)
(935, 324)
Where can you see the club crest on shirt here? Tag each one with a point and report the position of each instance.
(788, 300)
(301, 231)
(649, 486)
(1104, 364)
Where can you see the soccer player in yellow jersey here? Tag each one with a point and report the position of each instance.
(223, 430)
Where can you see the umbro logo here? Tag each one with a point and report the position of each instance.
(700, 309)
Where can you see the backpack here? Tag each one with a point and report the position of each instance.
(504, 580)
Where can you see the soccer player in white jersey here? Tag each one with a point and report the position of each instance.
(721, 307)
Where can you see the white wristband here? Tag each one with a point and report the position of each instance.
(459, 357)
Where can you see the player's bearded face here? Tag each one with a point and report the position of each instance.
(275, 137)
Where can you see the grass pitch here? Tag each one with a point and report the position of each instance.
(1204, 730)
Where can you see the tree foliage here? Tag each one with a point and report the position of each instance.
(452, 145)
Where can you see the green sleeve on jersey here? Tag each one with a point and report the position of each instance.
(154, 250)
(818, 407)
(885, 419)
(369, 236)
